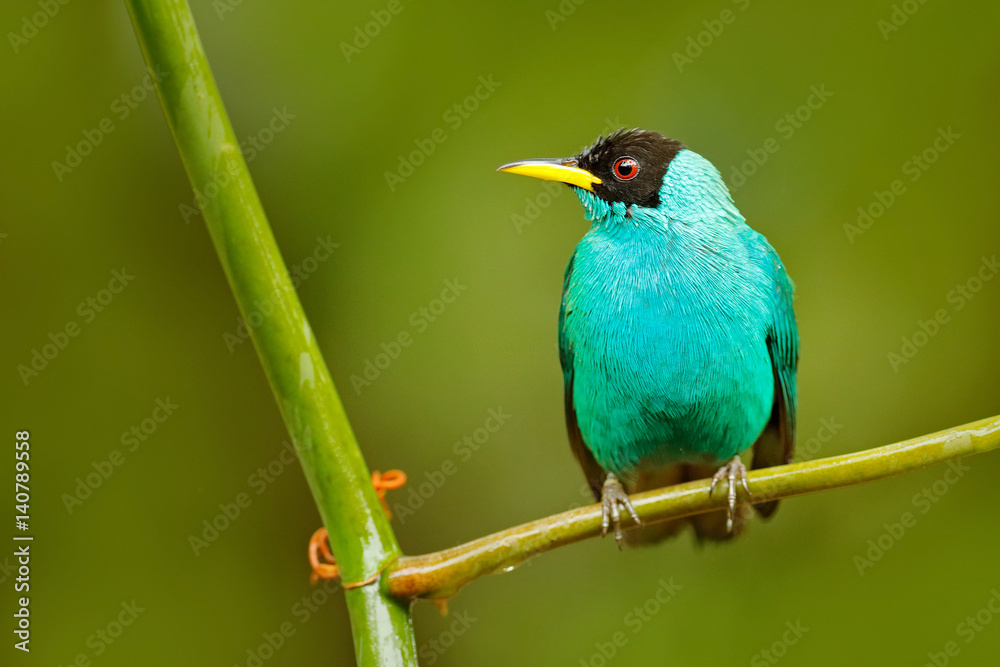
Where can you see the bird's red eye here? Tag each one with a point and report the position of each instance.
(626, 168)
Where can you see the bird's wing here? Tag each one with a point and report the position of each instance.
(775, 446)
(591, 469)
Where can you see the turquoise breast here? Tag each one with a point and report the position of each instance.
(666, 320)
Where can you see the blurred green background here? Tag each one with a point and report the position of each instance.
(562, 74)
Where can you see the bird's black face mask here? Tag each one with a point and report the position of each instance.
(631, 165)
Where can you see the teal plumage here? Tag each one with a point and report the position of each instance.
(677, 334)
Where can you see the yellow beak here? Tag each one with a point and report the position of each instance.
(563, 170)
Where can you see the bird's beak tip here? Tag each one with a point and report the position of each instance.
(561, 169)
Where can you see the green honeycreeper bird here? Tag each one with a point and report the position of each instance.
(677, 335)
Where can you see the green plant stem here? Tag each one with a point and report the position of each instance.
(442, 574)
(360, 535)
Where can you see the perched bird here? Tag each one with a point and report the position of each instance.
(677, 335)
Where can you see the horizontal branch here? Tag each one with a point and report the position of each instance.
(443, 573)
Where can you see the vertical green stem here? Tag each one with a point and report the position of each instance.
(360, 535)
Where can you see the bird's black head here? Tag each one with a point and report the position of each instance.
(627, 166)
(631, 165)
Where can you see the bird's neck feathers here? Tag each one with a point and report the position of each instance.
(693, 192)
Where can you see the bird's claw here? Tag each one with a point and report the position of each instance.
(732, 472)
(613, 497)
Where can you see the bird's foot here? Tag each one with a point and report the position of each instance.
(613, 498)
(732, 472)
